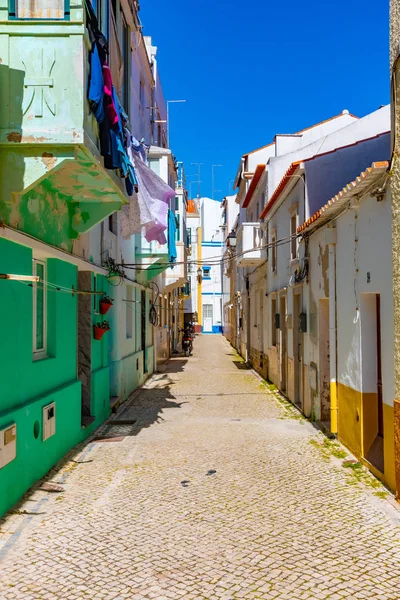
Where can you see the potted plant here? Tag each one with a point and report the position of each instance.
(105, 304)
(115, 272)
(100, 329)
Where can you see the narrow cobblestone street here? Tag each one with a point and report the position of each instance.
(218, 490)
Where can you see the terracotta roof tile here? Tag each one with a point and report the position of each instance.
(367, 177)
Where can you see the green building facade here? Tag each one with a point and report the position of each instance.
(57, 380)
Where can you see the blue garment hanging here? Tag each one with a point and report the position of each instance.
(172, 252)
(96, 85)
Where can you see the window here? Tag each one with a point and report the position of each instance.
(154, 164)
(126, 51)
(293, 234)
(97, 8)
(273, 321)
(130, 307)
(206, 272)
(96, 297)
(39, 310)
(39, 9)
(274, 251)
(113, 223)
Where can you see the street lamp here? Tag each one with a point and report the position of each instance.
(212, 170)
(199, 275)
(168, 103)
(231, 239)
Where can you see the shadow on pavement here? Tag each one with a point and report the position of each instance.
(241, 365)
(175, 365)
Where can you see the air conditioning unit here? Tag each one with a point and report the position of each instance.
(49, 420)
(8, 445)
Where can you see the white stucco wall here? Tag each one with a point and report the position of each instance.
(326, 137)
(371, 254)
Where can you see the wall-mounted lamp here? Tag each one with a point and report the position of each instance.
(231, 239)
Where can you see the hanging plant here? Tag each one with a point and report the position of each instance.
(100, 329)
(115, 272)
(105, 304)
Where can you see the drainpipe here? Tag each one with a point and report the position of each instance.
(330, 239)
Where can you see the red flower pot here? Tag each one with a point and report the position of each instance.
(104, 307)
(98, 332)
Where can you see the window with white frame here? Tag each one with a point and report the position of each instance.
(39, 9)
(206, 272)
(39, 309)
(274, 251)
(293, 235)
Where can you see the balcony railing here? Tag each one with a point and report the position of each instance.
(251, 245)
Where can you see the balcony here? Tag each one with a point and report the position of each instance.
(176, 276)
(53, 182)
(153, 257)
(250, 244)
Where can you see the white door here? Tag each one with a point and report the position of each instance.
(207, 318)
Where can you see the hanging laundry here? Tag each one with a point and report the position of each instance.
(140, 148)
(110, 107)
(130, 218)
(153, 196)
(172, 253)
(148, 212)
(96, 85)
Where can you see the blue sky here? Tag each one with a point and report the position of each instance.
(249, 70)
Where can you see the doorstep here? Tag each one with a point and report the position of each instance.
(115, 401)
(87, 420)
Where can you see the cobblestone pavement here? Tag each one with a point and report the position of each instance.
(218, 491)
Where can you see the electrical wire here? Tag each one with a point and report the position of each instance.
(53, 287)
(211, 260)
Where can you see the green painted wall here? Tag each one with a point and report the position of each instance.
(28, 385)
(100, 368)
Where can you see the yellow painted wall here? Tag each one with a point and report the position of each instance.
(396, 428)
(358, 434)
(388, 448)
(370, 421)
(349, 418)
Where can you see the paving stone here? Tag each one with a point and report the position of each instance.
(276, 521)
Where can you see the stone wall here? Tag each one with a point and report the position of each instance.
(259, 362)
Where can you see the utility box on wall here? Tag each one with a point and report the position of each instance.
(8, 445)
(49, 420)
(303, 323)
